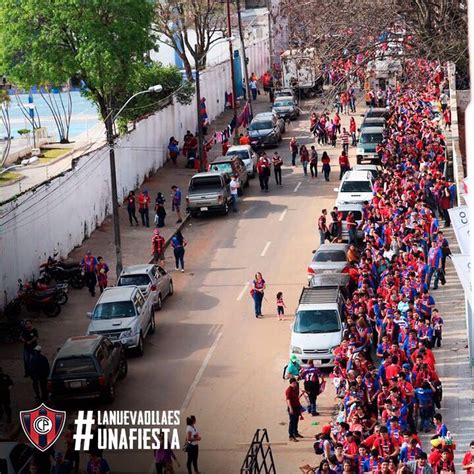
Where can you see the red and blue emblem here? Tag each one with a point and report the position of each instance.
(42, 425)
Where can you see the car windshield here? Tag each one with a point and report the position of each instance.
(330, 256)
(261, 125)
(223, 167)
(283, 103)
(317, 321)
(138, 280)
(356, 187)
(205, 182)
(74, 366)
(243, 155)
(371, 138)
(117, 309)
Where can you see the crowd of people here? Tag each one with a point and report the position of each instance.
(385, 367)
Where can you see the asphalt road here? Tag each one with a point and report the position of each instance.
(210, 356)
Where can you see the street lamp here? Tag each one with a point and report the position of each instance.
(109, 122)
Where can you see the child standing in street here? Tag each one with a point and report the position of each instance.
(280, 306)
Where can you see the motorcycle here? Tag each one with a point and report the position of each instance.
(40, 289)
(33, 303)
(62, 272)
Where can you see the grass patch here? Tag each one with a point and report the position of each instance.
(52, 153)
(5, 178)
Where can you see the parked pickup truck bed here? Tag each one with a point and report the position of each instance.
(208, 192)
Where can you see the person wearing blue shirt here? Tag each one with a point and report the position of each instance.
(434, 263)
(425, 400)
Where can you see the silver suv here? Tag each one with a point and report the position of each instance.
(123, 314)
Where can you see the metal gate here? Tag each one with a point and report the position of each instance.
(259, 457)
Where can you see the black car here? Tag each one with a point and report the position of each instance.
(87, 367)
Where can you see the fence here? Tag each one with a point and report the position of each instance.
(61, 213)
(259, 457)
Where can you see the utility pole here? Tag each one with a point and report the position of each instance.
(232, 72)
(198, 109)
(244, 57)
(270, 39)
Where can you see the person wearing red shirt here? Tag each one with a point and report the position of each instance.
(244, 140)
(350, 448)
(352, 131)
(344, 164)
(225, 147)
(386, 446)
(468, 460)
(144, 206)
(292, 397)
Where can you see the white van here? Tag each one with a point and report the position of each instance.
(318, 326)
(356, 186)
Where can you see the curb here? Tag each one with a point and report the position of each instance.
(12, 182)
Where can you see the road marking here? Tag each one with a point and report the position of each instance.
(297, 187)
(283, 214)
(264, 251)
(200, 373)
(244, 290)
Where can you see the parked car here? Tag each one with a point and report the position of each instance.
(124, 314)
(264, 131)
(356, 209)
(341, 280)
(271, 115)
(15, 458)
(87, 367)
(232, 165)
(374, 170)
(369, 138)
(151, 279)
(286, 107)
(318, 326)
(377, 112)
(208, 192)
(286, 93)
(247, 155)
(356, 186)
(328, 258)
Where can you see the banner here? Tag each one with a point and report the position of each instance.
(460, 222)
(462, 263)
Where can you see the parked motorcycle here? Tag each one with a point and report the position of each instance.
(61, 272)
(40, 288)
(33, 303)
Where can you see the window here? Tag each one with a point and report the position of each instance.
(74, 366)
(330, 256)
(241, 154)
(162, 271)
(317, 321)
(138, 280)
(356, 187)
(371, 138)
(139, 302)
(283, 103)
(222, 167)
(20, 455)
(117, 309)
(261, 125)
(205, 182)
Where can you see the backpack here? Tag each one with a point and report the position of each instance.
(318, 447)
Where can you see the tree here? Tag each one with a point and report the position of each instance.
(60, 108)
(5, 120)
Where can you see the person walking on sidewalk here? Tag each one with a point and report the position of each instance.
(277, 164)
(102, 271)
(353, 131)
(293, 150)
(158, 248)
(5, 403)
(173, 150)
(292, 397)
(144, 208)
(263, 170)
(345, 140)
(89, 267)
(344, 164)
(257, 292)
(192, 439)
(160, 210)
(322, 227)
(304, 158)
(178, 243)
(325, 160)
(176, 202)
(234, 186)
(253, 87)
(131, 208)
(313, 162)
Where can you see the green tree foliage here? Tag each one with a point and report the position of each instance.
(103, 43)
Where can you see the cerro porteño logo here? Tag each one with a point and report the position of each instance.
(42, 425)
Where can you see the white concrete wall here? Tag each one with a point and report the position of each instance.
(60, 214)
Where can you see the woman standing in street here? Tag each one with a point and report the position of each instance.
(192, 438)
(257, 292)
(344, 164)
(325, 160)
(178, 243)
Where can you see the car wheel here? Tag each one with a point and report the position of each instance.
(109, 395)
(171, 289)
(123, 368)
(193, 213)
(247, 183)
(159, 303)
(225, 211)
(140, 347)
(152, 325)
